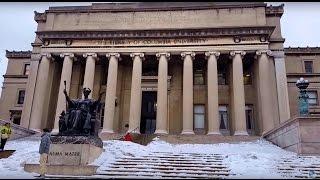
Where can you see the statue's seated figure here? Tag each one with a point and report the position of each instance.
(80, 117)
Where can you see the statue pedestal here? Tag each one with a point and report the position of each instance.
(70, 155)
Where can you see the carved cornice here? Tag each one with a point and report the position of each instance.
(40, 17)
(18, 54)
(156, 6)
(161, 33)
(302, 50)
(15, 76)
(275, 10)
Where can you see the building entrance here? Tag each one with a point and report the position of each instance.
(148, 112)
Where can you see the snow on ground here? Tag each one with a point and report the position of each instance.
(256, 159)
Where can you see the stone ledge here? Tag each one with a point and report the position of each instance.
(78, 170)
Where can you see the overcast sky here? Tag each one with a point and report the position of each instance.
(300, 25)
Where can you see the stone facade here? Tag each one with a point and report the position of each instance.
(229, 68)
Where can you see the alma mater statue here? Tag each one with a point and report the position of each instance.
(80, 117)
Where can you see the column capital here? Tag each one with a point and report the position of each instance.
(233, 53)
(184, 54)
(141, 55)
(48, 55)
(167, 55)
(116, 55)
(260, 52)
(212, 53)
(94, 55)
(71, 55)
(278, 54)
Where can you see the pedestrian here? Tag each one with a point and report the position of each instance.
(5, 134)
(44, 151)
(127, 136)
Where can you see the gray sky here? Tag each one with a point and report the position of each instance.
(300, 25)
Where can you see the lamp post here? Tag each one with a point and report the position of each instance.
(302, 84)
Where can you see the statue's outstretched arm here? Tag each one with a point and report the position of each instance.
(66, 95)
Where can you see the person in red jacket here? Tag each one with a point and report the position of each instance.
(127, 136)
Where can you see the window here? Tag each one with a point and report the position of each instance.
(199, 118)
(198, 77)
(222, 79)
(223, 117)
(308, 66)
(313, 98)
(26, 70)
(249, 117)
(21, 96)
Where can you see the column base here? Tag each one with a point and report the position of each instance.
(241, 133)
(214, 133)
(187, 132)
(106, 131)
(159, 131)
(55, 131)
(37, 130)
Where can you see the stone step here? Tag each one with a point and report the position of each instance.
(184, 157)
(194, 154)
(136, 170)
(169, 164)
(174, 174)
(170, 168)
(173, 162)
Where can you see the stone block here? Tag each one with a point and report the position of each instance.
(67, 150)
(310, 148)
(82, 170)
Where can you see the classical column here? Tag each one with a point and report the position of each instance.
(187, 92)
(282, 87)
(162, 99)
(40, 92)
(238, 100)
(110, 92)
(65, 76)
(264, 89)
(213, 104)
(136, 93)
(89, 72)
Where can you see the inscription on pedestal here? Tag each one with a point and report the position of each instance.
(65, 154)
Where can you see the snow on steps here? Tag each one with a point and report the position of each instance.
(301, 167)
(167, 165)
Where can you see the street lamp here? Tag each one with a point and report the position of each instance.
(302, 84)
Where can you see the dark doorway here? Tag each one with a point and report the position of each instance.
(148, 112)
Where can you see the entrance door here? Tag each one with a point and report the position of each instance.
(148, 112)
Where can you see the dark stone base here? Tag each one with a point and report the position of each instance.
(93, 140)
(6, 153)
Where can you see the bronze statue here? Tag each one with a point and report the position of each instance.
(80, 117)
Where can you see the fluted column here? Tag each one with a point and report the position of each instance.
(89, 72)
(238, 100)
(282, 87)
(187, 92)
(110, 92)
(65, 76)
(136, 93)
(40, 92)
(264, 89)
(162, 99)
(213, 104)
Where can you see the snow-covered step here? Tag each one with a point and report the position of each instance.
(166, 164)
(161, 175)
(130, 159)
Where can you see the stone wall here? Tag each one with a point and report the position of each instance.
(300, 135)
(18, 131)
